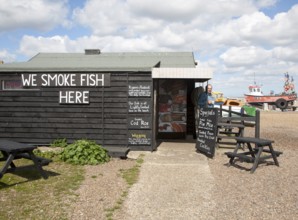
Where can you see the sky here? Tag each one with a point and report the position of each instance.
(242, 41)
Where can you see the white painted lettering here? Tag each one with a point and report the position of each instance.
(30, 81)
(78, 97)
(85, 97)
(72, 80)
(83, 79)
(71, 97)
(101, 80)
(92, 80)
(44, 80)
(63, 97)
(74, 97)
(52, 79)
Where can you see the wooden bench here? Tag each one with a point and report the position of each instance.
(238, 122)
(229, 131)
(254, 155)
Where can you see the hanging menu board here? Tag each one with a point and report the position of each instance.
(139, 120)
(137, 89)
(207, 131)
(136, 105)
(139, 137)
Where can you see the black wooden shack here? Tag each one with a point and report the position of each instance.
(132, 100)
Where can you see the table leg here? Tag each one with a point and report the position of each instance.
(7, 164)
(252, 153)
(38, 165)
(273, 155)
(12, 165)
(234, 152)
(257, 158)
(241, 132)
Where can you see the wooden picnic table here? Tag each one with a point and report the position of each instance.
(254, 155)
(12, 150)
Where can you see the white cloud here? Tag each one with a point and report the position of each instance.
(30, 45)
(281, 30)
(233, 37)
(285, 31)
(170, 38)
(286, 53)
(117, 43)
(116, 17)
(211, 28)
(265, 3)
(244, 30)
(37, 14)
(104, 17)
(245, 56)
(172, 11)
(6, 57)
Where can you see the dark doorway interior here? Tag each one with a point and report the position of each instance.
(175, 110)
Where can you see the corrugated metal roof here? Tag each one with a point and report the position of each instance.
(77, 62)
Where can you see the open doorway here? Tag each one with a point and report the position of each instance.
(175, 114)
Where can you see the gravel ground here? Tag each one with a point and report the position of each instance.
(269, 193)
(101, 189)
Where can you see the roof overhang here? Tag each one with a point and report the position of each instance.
(203, 74)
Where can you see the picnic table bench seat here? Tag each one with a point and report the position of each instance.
(245, 155)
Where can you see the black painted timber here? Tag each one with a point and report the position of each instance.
(36, 117)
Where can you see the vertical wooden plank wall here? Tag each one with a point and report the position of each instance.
(35, 116)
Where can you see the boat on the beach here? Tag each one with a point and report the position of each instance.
(218, 97)
(282, 101)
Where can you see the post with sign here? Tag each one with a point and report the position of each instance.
(207, 131)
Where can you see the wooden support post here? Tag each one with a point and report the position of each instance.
(230, 111)
(220, 111)
(257, 125)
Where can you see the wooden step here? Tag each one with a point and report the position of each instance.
(117, 152)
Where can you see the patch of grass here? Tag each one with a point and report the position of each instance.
(24, 194)
(131, 177)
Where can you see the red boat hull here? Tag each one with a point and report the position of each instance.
(269, 98)
(251, 99)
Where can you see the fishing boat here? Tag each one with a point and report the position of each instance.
(282, 101)
(218, 97)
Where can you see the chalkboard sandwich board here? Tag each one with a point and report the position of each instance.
(207, 131)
